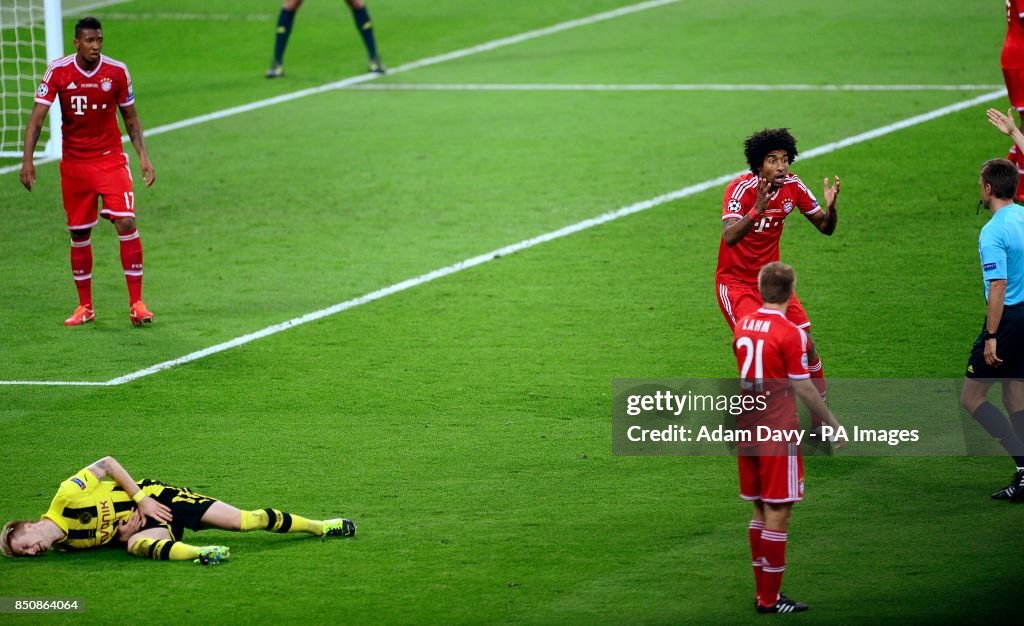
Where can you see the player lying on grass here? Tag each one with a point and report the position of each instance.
(148, 517)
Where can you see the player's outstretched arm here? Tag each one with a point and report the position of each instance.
(812, 400)
(32, 131)
(826, 221)
(109, 466)
(133, 127)
(1006, 126)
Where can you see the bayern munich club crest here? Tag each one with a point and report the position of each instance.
(787, 206)
(734, 206)
(106, 84)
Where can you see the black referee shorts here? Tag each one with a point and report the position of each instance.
(1009, 348)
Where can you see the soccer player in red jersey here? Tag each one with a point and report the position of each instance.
(1012, 61)
(91, 88)
(771, 353)
(754, 211)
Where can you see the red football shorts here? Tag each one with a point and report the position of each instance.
(1015, 86)
(772, 479)
(83, 183)
(738, 301)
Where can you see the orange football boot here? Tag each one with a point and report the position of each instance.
(82, 315)
(140, 315)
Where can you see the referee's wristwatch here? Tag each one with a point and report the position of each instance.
(985, 335)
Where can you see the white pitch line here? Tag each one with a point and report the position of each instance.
(662, 87)
(185, 17)
(348, 82)
(522, 245)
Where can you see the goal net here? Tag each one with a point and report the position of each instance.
(30, 36)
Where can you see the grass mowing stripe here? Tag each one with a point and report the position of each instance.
(523, 245)
(362, 78)
(74, 11)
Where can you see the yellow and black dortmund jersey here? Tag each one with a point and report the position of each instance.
(88, 510)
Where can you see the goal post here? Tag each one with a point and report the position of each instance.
(31, 35)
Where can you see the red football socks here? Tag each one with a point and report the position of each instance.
(754, 531)
(131, 261)
(773, 550)
(81, 270)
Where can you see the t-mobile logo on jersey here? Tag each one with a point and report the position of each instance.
(79, 104)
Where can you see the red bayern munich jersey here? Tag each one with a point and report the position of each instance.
(88, 104)
(1017, 158)
(770, 350)
(742, 262)
(1013, 45)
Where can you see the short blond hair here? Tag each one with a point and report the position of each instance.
(775, 281)
(9, 529)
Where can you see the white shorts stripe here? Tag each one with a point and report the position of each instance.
(723, 297)
(792, 471)
(83, 226)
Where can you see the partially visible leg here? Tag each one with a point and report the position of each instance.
(78, 192)
(1013, 400)
(131, 257)
(81, 271)
(224, 516)
(974, 398)
(754, 530)
(773, 548)
(365, 28)
(281, 35)
(157, 544)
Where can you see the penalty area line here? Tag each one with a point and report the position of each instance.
(525, 244)
(661, 87)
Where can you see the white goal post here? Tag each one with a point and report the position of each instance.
(31, 35)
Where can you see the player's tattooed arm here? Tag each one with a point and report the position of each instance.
(100, 468)
(133, 127)
(109, 466)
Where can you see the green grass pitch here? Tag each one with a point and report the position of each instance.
(464, 423)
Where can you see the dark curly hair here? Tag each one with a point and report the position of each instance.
(757, 146)
(87, 23)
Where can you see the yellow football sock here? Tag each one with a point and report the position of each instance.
(273, 520)
(164, 550)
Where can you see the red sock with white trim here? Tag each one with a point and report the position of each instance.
(773, 550)
(754, 531)
(818, 379)
(131, 261)
(81, 270)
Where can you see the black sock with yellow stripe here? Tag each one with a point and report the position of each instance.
(276, 521)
